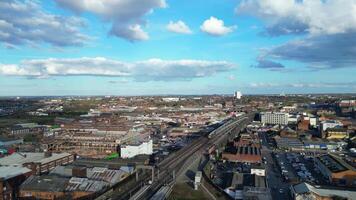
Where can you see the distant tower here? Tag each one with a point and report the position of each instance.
(237, 95)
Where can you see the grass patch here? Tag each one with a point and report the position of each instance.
(183, 191)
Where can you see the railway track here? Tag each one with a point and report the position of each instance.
(176, 160)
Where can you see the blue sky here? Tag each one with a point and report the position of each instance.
(150, 47)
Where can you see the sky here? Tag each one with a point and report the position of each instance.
(166, 47)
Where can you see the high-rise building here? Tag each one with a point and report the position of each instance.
(237, 95)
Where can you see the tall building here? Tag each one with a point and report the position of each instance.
(274, 118)
(237, 95)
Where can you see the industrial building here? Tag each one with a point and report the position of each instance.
(10, 179)
(305, 190)
(336, 170)
(39, 163)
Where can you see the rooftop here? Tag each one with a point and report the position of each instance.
(22, 158)
(46, 182)
(10, 172)
(303, 188)
(331, 163)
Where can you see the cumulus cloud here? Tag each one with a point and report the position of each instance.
(321, 52)
(294, 16)
(178, 27)
(147, 70)
(216, 27)
(126, 16)
(303, 85)
(25, 23)
(328, 27)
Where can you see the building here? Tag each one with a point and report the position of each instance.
(5, 141)
(242, 153)
(289, 109)
(324, 144)
(313, 121)
(288, 132)
(336, 170)
(111, 176)
(73, 182)
(330, 124)
(10, 180)
(303, 125)
(237, 95)
(274, 118)
(336, 133)
(28, 128)
(305, 190)
(133, 149)
(170, 99)
(257, 193)
(39, 163)
(288, 143)
(258, 170)
(247, 186)
(347, 108)
(324, 125)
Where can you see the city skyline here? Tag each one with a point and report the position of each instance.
(158, 47)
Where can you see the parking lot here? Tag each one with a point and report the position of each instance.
(298, 167)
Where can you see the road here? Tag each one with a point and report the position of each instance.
(279, 188)
(176, 161)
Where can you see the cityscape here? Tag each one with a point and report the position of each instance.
(178, 100)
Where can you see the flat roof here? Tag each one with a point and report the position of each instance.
(7, 172)
(45, 183)
(331, 163)
(303, 188)
(20, 158)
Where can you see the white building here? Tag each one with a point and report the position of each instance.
(237, 95)
(258, 171)
(330, 124)
(132, 150)
(313, 121)
(274, 118)
(170, 99)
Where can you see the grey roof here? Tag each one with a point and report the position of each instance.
(45, 183)
(107, 175)
(21, 158)
(10, 172)
(303, 188)
(84, 184)
(97, 173)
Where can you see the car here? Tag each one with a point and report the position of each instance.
(281, 190)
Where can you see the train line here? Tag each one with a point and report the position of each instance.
(172, 164)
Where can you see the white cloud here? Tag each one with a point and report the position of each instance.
(178, 27)
(126, 16)
(216, 27)
(294, 16)
(328, 27)
(231, 77)
(25, 23)
(303, 85)
(152, 69)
